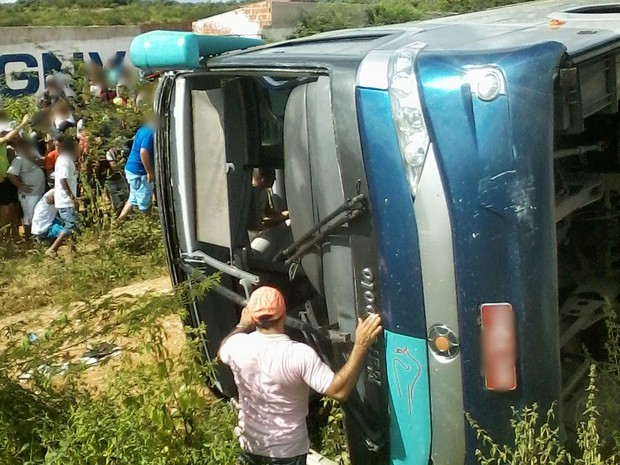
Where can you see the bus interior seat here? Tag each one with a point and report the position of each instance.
(268, 244)
(314, 190)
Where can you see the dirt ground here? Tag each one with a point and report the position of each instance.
(37, 320)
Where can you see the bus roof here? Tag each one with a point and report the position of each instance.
(581, 27)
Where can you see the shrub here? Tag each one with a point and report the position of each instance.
(360, 13)
(153, 409)
(537, 443)
(106, 12)
(329, 17)
(393, 12)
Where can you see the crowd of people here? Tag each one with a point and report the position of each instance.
(47, 159)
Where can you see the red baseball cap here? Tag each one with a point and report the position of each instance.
(266, 304)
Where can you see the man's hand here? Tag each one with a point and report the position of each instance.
(150, 177)
(246, 319)
(26, 189)
(246, 325)
(368, 330)
(25, 120)
(365, 334)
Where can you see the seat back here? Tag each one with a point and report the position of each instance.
(314, 190)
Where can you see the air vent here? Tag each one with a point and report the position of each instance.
(613, 9)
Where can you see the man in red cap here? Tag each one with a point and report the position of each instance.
(274, 374)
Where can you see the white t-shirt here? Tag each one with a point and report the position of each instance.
(273, 374)
(58, 120)
(30, 174)
(44, 214)
(64, 169)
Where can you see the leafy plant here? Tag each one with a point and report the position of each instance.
(329, 16)
(537, 443)
(332, 435)
(154, 409)
(533, 443)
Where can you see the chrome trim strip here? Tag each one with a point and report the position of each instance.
(438, 279)
(373, 70)
(182, 145)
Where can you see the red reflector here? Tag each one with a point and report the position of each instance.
(499, 347)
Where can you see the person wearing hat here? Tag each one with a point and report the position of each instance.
(274, 375)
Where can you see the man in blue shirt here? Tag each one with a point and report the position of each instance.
(139, 171)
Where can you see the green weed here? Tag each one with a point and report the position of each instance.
(153, 407)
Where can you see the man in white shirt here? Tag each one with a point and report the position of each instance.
(45, 221)
(274, 374)
(65, 191)
(27, 175)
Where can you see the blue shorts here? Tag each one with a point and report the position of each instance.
(68, 219)
(54, 231)
(140, 191)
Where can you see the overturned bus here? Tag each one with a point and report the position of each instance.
(457, 175)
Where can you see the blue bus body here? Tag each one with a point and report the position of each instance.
(432, 170)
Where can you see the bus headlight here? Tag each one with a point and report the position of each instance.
(413, 137)
(486, 82)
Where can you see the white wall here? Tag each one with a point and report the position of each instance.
(27, 54)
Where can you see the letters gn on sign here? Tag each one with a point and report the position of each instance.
(31, 77)
(499, 346)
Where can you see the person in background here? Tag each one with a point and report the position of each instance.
(64, 116)
(8, 192)
(122, 95)
(53, 92)
(115, 183)
(274, 373)
(65, 189)
(83, 140)
(97, 84)
(269, 209)
(39, 133)
(27, 175)
(46, 225)
(50, 160)
(64, 81)
(112, 73)
(44, 104)
(42, 123)
(139, 170)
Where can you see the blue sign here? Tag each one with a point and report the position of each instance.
(49, 63)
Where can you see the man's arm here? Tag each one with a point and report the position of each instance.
(7, 137)
(246, 325)
(25, 188)
(145, 156)
(345, 380)
(65, 186)
(40, 162)
(13, 175)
